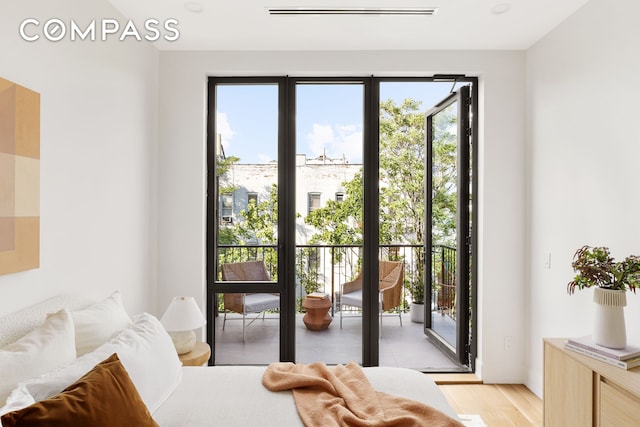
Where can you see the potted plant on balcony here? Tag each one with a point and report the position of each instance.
(416, 309)
(596, 268)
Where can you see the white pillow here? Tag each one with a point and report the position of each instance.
(146, 351)
(44, 349)
(99, 322)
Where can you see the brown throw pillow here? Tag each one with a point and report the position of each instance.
(104, 396)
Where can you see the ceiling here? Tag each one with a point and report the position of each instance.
(457, 24)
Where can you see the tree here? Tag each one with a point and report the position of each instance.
(402, 194)
(444, 178)
(402, 198)
(340, 223)
(226, 235)
(402, 159)
(259, 221)
(255, 230)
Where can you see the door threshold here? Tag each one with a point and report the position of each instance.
(454, 378)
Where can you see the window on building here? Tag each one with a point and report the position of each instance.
(252, 196)
(339, 197)
(226, 208)
(314, 201)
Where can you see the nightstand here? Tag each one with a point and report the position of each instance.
(196, 357)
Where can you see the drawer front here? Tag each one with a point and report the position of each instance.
(618, 408)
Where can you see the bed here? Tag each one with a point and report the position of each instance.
(53, 346)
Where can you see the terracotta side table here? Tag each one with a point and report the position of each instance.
(317, 306)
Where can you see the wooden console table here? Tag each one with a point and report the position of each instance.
(582, 391)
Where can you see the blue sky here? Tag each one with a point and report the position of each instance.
(328, 117)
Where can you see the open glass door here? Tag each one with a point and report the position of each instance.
(447, 223)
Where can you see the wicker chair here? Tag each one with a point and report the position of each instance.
(391, 275)
(247, 303)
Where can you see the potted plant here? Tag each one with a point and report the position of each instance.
(611, 279)
(417, 297)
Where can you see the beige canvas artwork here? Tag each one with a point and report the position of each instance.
(19, 178)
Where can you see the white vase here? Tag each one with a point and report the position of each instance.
(609, 328)
(417, 312)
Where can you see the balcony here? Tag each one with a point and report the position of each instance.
(324, 268)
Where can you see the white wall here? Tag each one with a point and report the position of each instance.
(98, 131)
(182, 170)
(583, 146)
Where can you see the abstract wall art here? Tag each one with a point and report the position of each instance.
(19, 178)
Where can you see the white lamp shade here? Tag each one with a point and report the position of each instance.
(183, 314)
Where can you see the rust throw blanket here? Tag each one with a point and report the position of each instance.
(342, 396)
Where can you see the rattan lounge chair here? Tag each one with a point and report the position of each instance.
(247, 303)
(391, 275)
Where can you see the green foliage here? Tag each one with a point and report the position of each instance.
(402, 196)
(226, 235)
(402, 159)
(222, 167)
(340, 223)
(402, 156)
(444, 178)
(596, 267)
(307, 269)
(256, 225)
(417, 287)
(258, 222)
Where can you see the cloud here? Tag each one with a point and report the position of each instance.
(336, 141)
(223, 128)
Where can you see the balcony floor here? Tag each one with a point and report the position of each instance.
(403, 346)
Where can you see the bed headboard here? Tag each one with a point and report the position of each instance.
(17, 324)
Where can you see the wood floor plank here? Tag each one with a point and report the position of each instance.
(499, 406)
(527, 403)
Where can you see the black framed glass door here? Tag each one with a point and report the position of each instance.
(448, 191)
(248, 271)
(257, 209)
(262, 186)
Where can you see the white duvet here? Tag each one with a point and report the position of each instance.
(204, 396)
(235, 396)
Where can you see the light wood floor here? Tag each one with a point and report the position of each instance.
(499, 405)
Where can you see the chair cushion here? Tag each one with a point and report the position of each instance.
(255, 303)
(352, 298)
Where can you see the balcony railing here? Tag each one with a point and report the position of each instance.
(323, 268)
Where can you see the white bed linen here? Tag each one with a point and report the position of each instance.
(235, 396)
(232, 395)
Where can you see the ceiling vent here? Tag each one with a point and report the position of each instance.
(352, 10)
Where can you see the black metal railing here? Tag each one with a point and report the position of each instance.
(323, 268)
(443, 267)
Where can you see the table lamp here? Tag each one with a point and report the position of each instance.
(183, 316)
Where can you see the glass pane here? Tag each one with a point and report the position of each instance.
(329, 122)
(251, 338)
(444, 201)
(248, 325)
